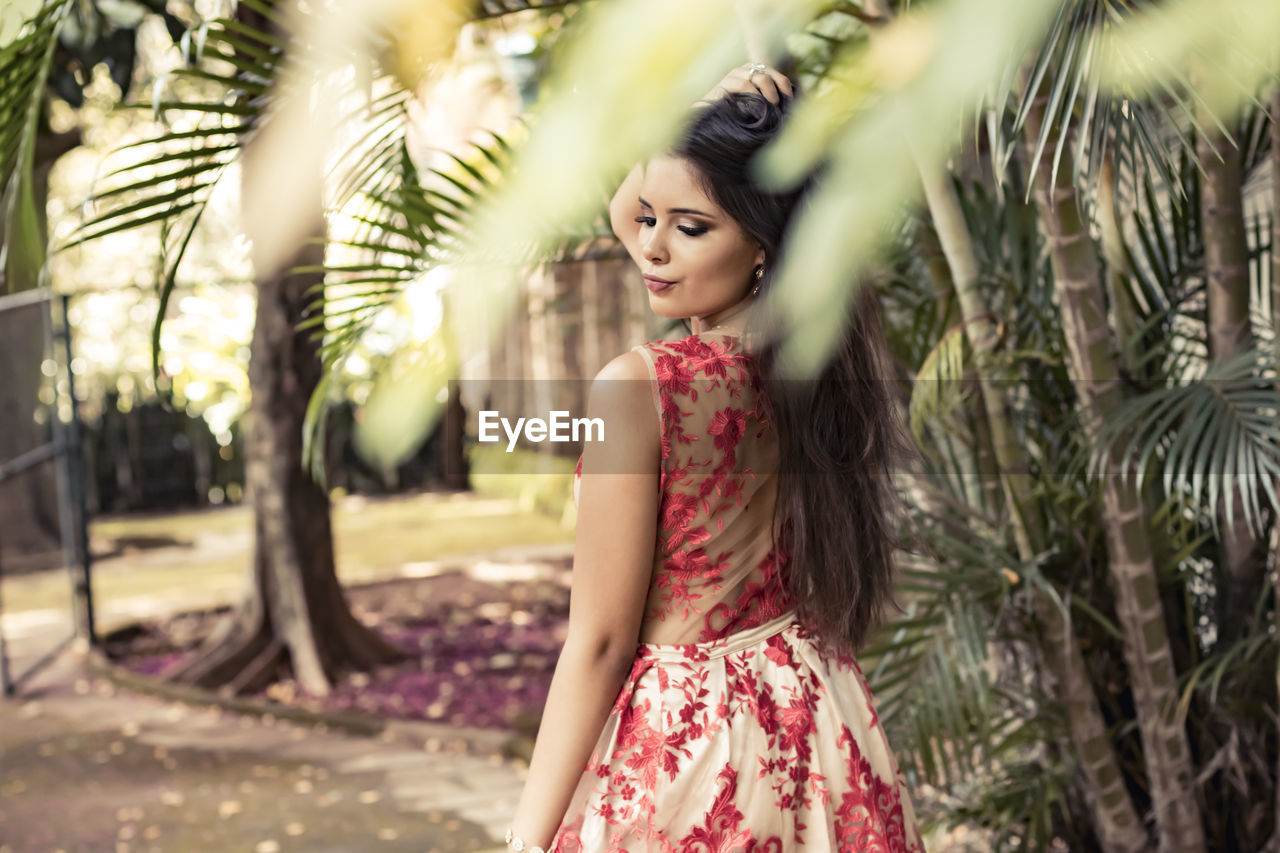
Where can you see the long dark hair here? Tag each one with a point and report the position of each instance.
(841, 434)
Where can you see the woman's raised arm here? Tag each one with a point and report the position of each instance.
(623, 210)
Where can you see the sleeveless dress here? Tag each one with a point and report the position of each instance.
(735, 729)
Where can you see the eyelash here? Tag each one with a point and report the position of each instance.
(690, 230)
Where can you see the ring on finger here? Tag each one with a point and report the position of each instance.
(757, 68)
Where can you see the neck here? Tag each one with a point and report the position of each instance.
(731, 320)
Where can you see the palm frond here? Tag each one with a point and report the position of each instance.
(1020, 799)
(405, 226)
(937, 688)
(1084, 115)
(502, 8)
(226, 107)
(1212, 437)
(936, 391)
(24, 67)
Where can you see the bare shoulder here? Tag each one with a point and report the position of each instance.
(621, 387)
(622, 397)
(629, 365)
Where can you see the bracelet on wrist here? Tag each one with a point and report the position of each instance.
(518, 844)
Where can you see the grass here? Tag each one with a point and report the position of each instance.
(205, 554)
(537, 481)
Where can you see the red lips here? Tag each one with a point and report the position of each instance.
(656, 284)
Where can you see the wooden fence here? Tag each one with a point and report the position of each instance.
(571, 318)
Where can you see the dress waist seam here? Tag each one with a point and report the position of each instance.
(721, 647)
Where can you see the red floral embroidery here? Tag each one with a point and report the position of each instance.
(674, 375)
(721, 830)
(870, 814)
(793, 775)
(727, 427)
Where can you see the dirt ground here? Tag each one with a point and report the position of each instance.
(98, 771)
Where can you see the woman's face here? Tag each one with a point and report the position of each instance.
(686, 239)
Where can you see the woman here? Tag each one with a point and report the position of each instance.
(707, 683)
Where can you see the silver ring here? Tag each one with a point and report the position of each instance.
(757, 67)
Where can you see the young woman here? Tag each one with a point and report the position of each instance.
(735, 542)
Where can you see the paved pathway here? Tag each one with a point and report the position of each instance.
(87, 766)
(84, 766)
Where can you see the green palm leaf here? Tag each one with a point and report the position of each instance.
(1218, 430)
(135, 196)
(1136, 133)
(24, 67)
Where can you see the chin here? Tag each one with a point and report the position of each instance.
(666, 311)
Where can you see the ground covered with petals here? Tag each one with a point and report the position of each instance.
(482, 651)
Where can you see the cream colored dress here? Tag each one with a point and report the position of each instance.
(736, 730)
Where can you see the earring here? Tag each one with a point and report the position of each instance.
(759, 275)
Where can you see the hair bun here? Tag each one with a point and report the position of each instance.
(753, 111)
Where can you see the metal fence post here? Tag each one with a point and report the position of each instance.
(71, 474)
(7, 687)
(73, 459)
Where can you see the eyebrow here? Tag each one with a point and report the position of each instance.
(688, 210)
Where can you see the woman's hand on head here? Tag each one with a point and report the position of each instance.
(769, 82)
(623, 210)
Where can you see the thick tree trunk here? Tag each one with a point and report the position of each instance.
(1092, 367)
(1117, 823)
(294, 616)
(1273, 845)
(1226, 254)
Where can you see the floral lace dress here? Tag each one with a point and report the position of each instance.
(735, 730)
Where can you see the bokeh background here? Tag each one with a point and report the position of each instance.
(263, 262)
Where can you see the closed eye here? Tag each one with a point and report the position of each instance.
(691, 230)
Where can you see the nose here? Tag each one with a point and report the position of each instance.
(655, 246)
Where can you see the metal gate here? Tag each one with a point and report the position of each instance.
(40, 441)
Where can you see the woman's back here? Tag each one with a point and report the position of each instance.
(715, 569)
(735, 728)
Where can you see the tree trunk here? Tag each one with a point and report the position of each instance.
(294, 616)
(1124, 317)
(1275, 209)
(1226, 254)
(1092, 367)
(1117, 823)
(1273, 845)
(454, 447)
(988, 497)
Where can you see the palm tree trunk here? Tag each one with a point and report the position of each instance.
(1124, 313)
(1273, 845)
(294, 616)
(1116, 820)
(1078, 281)
(989, 496)
(1275, 207)
(1226, 253)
